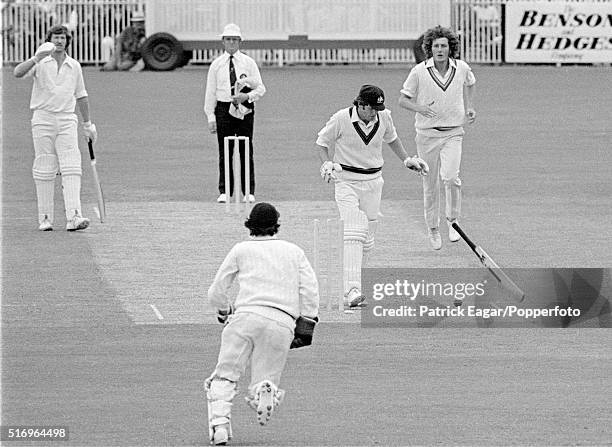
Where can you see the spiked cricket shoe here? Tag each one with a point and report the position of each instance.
(45, 225)
(265, 405)
(434, 238)
(222, 198)
(77, 222)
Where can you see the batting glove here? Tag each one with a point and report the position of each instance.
(304, 329)
(223, 314)
(329, 169)
(43, 51)
(417, 164)
(90, 131)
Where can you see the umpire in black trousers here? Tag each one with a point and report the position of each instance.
(233, 86)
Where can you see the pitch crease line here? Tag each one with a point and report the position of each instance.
(157, 312)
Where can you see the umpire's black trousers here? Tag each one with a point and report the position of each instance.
(227, 125)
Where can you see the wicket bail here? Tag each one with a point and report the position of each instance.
(237, 169)
(328, 254)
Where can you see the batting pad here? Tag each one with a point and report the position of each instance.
(72, 194)
(355, 234)
(368, 245)
(452, 189)
(353, 255)
(45, 189)
(45, 167)
(219, 394)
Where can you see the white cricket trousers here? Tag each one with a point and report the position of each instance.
(359, 206)
(443, 155)
(55, 139)
(262, 340)
(359, 194)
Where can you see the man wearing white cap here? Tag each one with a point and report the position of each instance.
(127, 55)
(230, 108)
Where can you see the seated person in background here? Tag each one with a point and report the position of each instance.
(127, 54)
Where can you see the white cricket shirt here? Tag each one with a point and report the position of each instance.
(443, 94)
(54, 90)
(356, 143)
(272, 274)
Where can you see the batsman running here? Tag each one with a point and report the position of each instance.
(276, 309)
(357, 134)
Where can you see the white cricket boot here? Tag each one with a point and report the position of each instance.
(434, 238)
(354, 299)
(46, 224)
(77, 222)
(222, 198)
(221, 435)
(453, 236)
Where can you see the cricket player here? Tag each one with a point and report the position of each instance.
(440, 90)
(276, 308)
(357, 134)
(57, 89)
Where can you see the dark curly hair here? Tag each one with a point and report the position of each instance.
(263, 220)
(59, 29)
(268, 231)
(439, 32)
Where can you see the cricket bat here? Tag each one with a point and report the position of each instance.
(486, 260)
(98, 185)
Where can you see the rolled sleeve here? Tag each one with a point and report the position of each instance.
(79, 89)
(328, 135)
(470, 79)
(411, 85)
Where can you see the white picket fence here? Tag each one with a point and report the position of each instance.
(479, 24)
(278, 19)
(24, 23)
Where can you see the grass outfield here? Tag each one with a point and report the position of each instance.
(82, 346)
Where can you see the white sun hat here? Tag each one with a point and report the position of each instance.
(231, 30)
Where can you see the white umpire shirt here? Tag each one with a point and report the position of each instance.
(218, 81)
(276, 280)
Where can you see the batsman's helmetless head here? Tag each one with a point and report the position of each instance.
(56, 31)
(263, 220)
